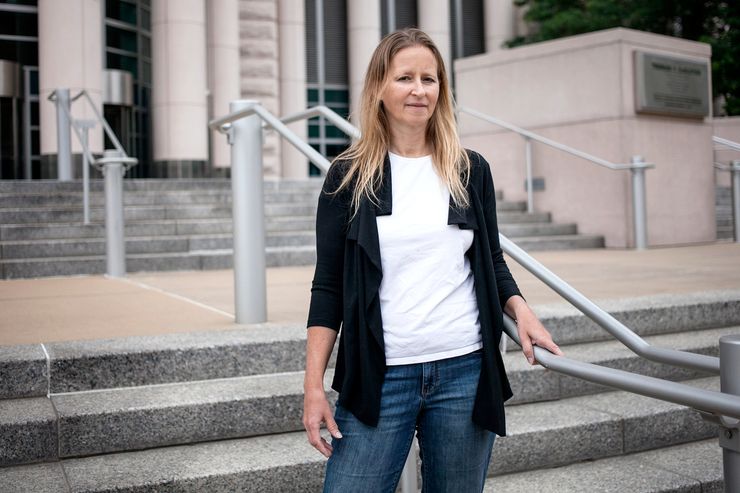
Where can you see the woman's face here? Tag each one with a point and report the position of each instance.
(411, 88)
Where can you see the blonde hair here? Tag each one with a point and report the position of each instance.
(366, 155)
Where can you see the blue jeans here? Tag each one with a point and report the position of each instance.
(434, 399)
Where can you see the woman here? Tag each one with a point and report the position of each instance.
(409, 265)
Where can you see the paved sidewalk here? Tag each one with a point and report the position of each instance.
(95, 307)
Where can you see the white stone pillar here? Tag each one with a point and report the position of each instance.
(434, 19)
(500, 23)
(292, 40)
(70, 55)
(179, 102)
(223, 69)
(363, 32)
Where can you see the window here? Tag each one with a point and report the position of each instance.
(326, 71)
(404, 14)
(128, 47)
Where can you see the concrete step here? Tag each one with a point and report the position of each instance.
(537, 229)
(144, 212)
(508, 217)
(695, 466)
(671, 321)
(150, 212)
(128, 362)
(275, 256)
(691, 467)
(97, 199)
(153, 185)
(559, 242)
(282, 463)
(148, 244)
(539, 435)
(73, 230)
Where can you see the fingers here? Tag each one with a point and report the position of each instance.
(527, 346)
(332, 427)
(317, 441)
(316, 411)
(549, 344)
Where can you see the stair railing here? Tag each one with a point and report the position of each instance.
(734, 169)
(113, 164)
(244, 129)
(637, 166)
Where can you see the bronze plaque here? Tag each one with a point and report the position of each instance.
(671, 86)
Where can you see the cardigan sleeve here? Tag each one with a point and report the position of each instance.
(505, 283)
(331, 219)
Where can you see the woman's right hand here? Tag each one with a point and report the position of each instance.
(316, 410)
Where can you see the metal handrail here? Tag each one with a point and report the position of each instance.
(726, 142)
(637, 167)
(321, 110)
(125, 159)
(544, 140)
(222, 125)
(626, 336)
(678, 393)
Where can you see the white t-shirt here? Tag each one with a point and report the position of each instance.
(427, 295)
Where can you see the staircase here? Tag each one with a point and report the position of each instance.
(221, 411)
(186, 225)
(723, 209)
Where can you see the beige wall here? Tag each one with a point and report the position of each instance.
(580, 91)
(727, 128)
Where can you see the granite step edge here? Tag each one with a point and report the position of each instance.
(695, 467)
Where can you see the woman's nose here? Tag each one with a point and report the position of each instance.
(418, 88)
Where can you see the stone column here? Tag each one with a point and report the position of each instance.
(363, 33)
(223, 69)
(70, 55)
(434, 19)
(179, 100)
(292, 40)
(259, 67)
(500, 23)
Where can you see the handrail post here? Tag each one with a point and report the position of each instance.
(245, 137)
(729, 433)
(83, 126)
(639, 207)
(735, 171)
(408, 481)
(64, 137)
(115, 247)
(528, 164)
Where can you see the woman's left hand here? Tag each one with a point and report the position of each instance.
(531, 331)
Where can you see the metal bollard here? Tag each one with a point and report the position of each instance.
(729, 430)
(735, 173)
(115, 248)
(639, 202)
(250, 290)
(83, 126)
(64, 137)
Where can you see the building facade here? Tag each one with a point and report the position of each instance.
(158, 70)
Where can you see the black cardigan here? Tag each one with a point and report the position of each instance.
(347, 280)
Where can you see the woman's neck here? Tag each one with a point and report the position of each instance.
(410, 144)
